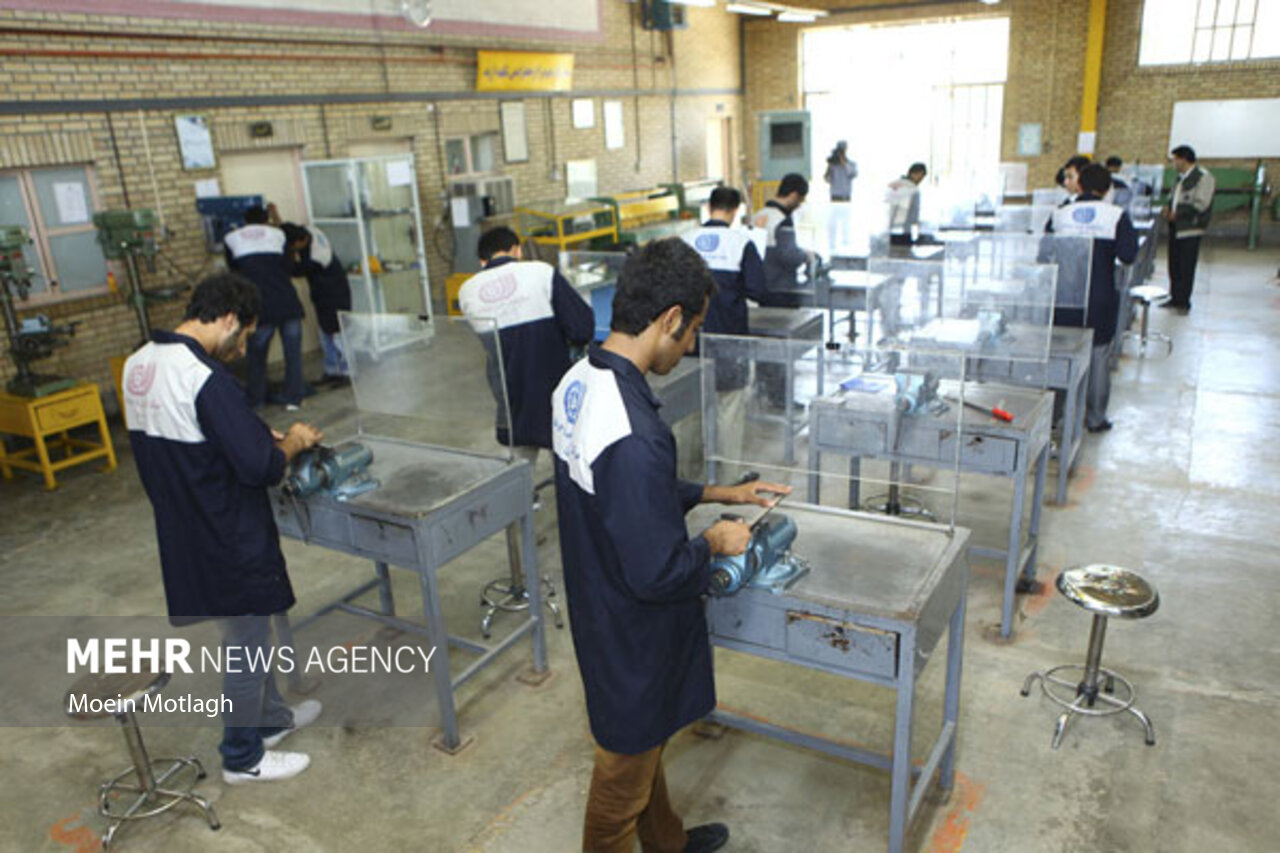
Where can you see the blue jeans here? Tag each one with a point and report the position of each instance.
(259, 344)
(257, 708)
(335, 363)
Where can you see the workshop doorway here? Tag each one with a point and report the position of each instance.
(276, 175)
(932, 92)
(719, 154)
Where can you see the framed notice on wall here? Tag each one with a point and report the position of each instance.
(614, 132)
(515, 137)
(195, 142)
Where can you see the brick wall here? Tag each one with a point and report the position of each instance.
(1047, 46)
(63, 57)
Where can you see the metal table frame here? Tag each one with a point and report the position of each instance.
(791, 324)
(893, 636)
(1067, 371)
(425, 543)
(1029, 433)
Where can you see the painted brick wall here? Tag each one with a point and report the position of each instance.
(64, 57)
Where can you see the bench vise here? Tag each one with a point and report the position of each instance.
(766, 564)
(341, 471)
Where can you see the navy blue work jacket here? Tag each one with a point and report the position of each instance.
(633, 577)
(205, 460)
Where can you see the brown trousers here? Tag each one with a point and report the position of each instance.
(628, 798)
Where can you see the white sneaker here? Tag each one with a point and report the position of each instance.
(273, 767)
(304, 714)
(292, 407)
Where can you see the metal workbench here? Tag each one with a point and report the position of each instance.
(852, 291)
(861, 425)
(878, 597)
(1067, 371)
(433, 504)
(802, 325)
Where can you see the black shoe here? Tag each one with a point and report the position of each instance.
(1102, 427)
(1172, 304)
(705, 838)
(1026, 585)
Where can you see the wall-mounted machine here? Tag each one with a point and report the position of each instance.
(127, 235)
(784, 143)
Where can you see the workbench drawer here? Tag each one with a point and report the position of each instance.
(469, 525)
(390, 542)
(990, 370)
(68, 413)
(843, 433)
(736, 617)
(841, 645)
(984, 453)
(1059, 374)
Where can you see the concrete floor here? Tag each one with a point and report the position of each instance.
(1179, 490)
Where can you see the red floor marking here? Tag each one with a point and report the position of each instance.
(72, 832)
(950, 835)
(1034, 605)
(1080, 484)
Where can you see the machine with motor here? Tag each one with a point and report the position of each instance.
(126, 235)
(31, 338)
(766, 564)
(341, 472)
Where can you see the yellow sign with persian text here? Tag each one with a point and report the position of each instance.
(518, 71)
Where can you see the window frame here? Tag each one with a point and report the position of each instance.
(468, 142)
(1209, 32)
(41, 234)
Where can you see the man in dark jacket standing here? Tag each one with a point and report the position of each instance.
(1114, 238)
(206, 460)
(634, 577)
(314, 259)
(257, 251)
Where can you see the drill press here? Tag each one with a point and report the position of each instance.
(30, 338)
(126, 235)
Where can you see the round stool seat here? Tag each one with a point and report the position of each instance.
(1149, 293)
(1109, 591)
(122, 689)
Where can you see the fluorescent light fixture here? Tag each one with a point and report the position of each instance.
(704, 3)
(744, 9)
(989, 2)
(797, 17)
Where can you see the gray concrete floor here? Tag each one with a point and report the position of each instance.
(1182, 489)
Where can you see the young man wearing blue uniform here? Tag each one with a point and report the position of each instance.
(313, 258)
(1114, 238)
(538, 316)
(258, 252)
(734, 263)
(206, 460)
(634, 577)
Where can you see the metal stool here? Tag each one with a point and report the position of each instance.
(127, 692)
(1104, 591)
(1146, 295)
(509, 594)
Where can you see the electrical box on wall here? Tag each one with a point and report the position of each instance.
(663, 15)
(784, 143)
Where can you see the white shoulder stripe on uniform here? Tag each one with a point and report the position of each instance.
(511, 294)
(588, 416)
(161, 382)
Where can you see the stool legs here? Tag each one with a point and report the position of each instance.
(510, 595)
(1084, 693)
(151, 798)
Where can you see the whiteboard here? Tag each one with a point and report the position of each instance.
(1241, 128)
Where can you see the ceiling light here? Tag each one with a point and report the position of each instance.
(797, 17)
(744, 9)
(704, 3)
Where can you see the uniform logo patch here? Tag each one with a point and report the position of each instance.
(573, 397)
(1084, 215)
(140, 379)
(499, 289)
(707, 242)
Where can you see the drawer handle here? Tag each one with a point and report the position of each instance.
(481, 514)
(837, 638)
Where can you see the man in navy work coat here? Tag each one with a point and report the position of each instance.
(313, 258)
(1114, 238)
(634, 577)
(734, 263)
(206, 460)
(258, 252)
(538, 316)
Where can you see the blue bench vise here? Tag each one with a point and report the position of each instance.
(766, 564)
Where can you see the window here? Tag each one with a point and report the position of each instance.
(1176, 32)
(471, 155)
(56, 206)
